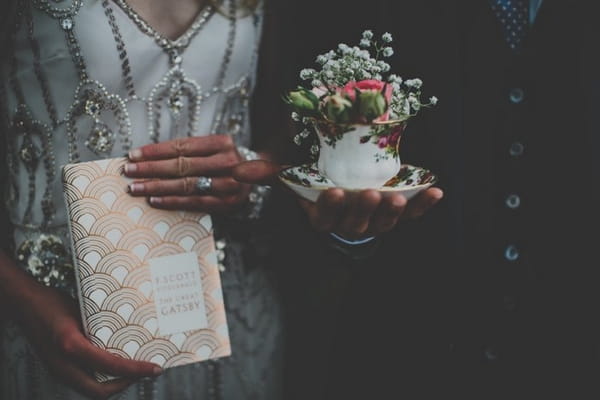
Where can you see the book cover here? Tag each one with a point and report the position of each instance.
(148, 279)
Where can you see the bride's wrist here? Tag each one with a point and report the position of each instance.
(18, 290)
(259, 193)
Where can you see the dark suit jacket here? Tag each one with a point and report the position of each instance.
(438, 308)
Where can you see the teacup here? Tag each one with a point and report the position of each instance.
(359, 156)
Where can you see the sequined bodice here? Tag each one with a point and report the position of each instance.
(88, 79)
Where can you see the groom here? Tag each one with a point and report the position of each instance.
(493, 292)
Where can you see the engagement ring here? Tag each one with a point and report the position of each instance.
(203, 185)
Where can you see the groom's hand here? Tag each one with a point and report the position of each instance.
(351, 215)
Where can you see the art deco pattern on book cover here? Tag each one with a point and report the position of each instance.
(148, 279)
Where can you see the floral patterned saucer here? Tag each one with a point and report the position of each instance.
(308, 183)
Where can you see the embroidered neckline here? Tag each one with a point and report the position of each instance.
(179, 44)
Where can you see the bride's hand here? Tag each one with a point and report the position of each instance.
(51, 322)
(168, 174)
(353, 216)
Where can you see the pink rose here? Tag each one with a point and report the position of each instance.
(370, 84)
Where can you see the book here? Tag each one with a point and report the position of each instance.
(148, 280)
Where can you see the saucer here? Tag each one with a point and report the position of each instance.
(308, 183)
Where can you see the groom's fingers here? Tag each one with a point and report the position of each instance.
(386, 216)
(258, 172)
(418, 206)
(326, 212)
(359, 212)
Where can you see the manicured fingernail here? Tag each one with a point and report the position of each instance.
(136, 187)
(155, 200)
(135, 154)
(157, 371)
(129, 168)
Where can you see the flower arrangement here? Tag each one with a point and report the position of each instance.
(353, 86)
(354, 111)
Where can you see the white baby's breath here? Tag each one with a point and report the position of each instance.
(344, 48)
(414, 83)
(395, 79)
(346, 64)
(385, 67)
(307, 73)
(332, 64)
(322, 59)
(305, 133)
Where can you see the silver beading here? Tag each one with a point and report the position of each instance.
(98, 117)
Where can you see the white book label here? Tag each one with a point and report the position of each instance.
(178, 293)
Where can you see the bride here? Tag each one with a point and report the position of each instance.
(170, 87)
(84, 80)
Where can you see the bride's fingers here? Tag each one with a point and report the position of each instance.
(71, 342)
(184, 187)
(87, 385)
(76, 374)
(202, 146)
(102, 361)
(259, 172)
(217, 164)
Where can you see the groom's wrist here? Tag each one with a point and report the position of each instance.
(351, 242)
(356, 250)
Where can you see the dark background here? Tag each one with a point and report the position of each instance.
(438, 309)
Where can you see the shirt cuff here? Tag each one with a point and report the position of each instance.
(352, 242)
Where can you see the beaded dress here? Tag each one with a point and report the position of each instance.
(89, 79)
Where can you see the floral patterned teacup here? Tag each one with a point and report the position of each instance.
(359, 156)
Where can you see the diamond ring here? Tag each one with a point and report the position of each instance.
(203, 185)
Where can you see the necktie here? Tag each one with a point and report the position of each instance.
(514, 17)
